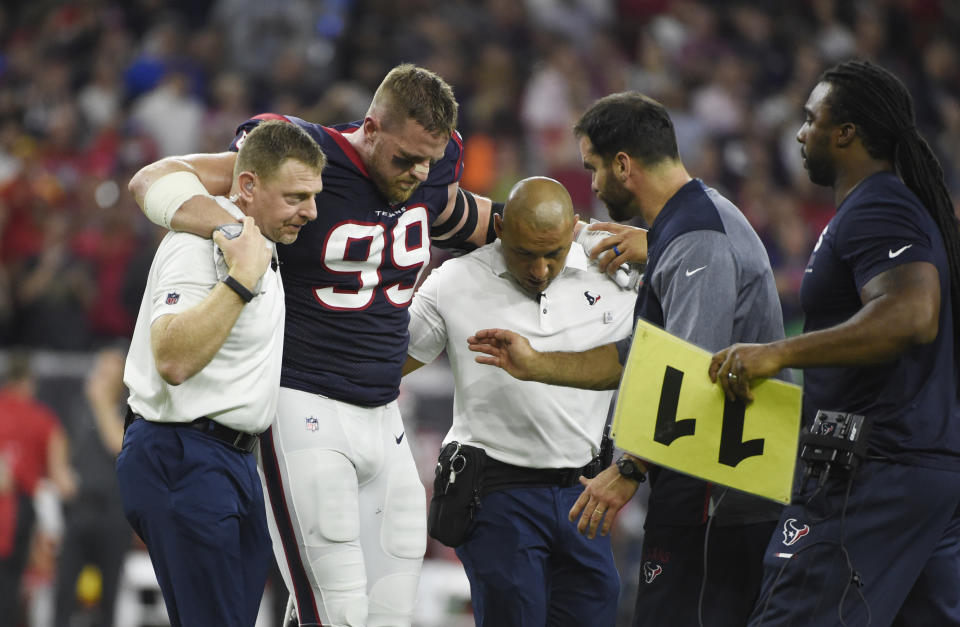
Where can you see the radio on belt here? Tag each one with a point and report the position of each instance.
(836, 440)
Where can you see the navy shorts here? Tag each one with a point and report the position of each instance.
(528, 565)
(887, 554)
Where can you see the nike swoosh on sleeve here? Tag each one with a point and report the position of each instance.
(896, 253)
(695, 270)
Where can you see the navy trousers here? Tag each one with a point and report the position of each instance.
(198, 506)
(673, 589)
(528, 565)
(887, 554)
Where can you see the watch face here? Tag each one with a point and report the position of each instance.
(628, 468)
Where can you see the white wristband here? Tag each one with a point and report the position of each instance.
(168, 192)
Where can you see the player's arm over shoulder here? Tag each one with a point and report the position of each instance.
(177, 192)
(174, 192)
(466, 222)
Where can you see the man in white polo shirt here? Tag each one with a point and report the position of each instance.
(526, 562)
(204, 372)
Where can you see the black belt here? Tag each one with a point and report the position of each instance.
(500, 476)
(239, 440)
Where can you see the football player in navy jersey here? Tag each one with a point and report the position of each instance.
(878, 544)
(346, 502)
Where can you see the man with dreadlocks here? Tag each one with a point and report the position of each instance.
(879, 543)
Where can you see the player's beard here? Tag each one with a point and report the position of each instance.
(401, 193)
(618, 200)
(820, 170)
(393, 189)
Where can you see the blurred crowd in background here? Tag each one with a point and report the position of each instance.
(92, 90)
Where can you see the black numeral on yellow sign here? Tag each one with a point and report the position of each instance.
(668, 427)
(733, 449)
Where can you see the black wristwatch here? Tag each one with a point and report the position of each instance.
(629, 469)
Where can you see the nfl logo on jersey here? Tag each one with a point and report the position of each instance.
(312, 424)
(172, 298)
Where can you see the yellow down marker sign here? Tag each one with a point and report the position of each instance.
(670, 413)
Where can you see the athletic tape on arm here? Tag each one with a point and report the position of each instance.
(169, 192)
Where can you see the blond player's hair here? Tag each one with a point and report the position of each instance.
(411, 92)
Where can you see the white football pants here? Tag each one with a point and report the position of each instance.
(346, 510)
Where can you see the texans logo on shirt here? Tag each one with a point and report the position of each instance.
(592, 298)
(792, 533)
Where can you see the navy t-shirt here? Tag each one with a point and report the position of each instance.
(912, 400)
(350, 275)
